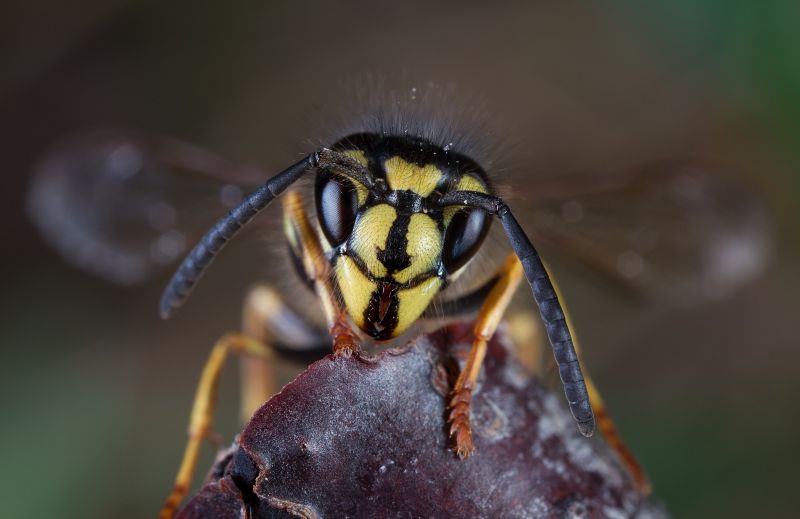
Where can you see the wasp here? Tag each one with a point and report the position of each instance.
(398, 218)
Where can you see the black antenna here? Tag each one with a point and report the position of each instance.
(569, 367)
(192, 268)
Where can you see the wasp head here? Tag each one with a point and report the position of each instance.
(391, 246)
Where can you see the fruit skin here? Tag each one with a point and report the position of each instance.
(364, 435)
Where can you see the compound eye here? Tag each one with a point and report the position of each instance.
(337, 204)
(463, 237)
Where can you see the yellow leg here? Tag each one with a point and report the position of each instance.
(489, 317)
(261, 308)
(257, 373)
(268, 319)
(304, 239)
(526, 333)
(203, 411)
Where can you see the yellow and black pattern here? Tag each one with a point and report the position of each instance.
(388, 260)
(397, 219)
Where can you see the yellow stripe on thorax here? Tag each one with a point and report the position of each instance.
(402, 175)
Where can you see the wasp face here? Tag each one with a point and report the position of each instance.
(391, 247)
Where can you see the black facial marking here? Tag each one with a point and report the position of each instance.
(394, 257)
(380, 316)
(405, 201)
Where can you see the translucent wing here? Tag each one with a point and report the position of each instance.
(679, 229)
(124, 204)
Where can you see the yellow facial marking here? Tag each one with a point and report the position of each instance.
(465, 183)
(414, 301)
(361, 190)
(402, 175)
(424, 247)
(355, 287)
(358, 156)
(369, 235)
(470, 183)
(449, 212)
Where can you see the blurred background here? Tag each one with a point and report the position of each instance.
(95, 390)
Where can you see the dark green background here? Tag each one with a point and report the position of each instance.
(95, 390)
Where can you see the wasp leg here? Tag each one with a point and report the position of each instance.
(268, 319)
(526, 333)
(489, 317)
(203, 410)
(256, 374)
(269, 325)
(305, 244)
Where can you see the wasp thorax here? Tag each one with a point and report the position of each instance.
(392, 247)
